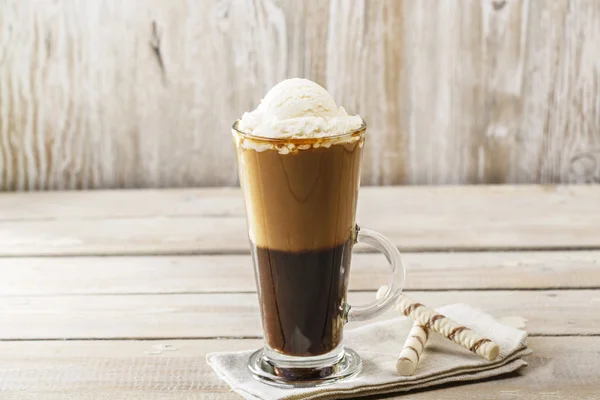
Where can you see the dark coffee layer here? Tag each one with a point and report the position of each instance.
(304, 199)
(302, 295)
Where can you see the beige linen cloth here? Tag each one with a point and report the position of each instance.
(379, 344)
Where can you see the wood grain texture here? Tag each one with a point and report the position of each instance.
(198, 297)
(107, 94)
(558, 368)
(212, 220)
(444, 98)
(47, 276)
(559, 95)
(236, 314)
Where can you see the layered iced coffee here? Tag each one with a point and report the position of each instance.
(299, 165)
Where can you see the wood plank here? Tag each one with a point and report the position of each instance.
(443, 91)
(141, 120)
(558, 368)
(143, 93)
(504, 54)
(117, 204)
(559, 110)
(236, 315)
(370, 63)
(197, 221)
(25, 276)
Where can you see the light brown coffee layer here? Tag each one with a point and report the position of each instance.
(304, 199)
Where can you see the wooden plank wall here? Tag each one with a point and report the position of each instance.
(141, 93)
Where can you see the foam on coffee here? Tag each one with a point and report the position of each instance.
(287, 146)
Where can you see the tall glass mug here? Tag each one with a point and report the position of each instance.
(300, 197)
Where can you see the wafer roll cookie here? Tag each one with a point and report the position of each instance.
(413, 347)
(412, 350)
(447, 328)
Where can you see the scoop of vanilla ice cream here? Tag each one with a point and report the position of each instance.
(298, 108)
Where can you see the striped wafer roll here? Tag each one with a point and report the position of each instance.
(447, 328)
(413, 346)
(412, 350)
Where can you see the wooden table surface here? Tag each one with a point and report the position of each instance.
(120, 294)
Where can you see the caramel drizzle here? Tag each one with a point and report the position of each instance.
(478, 344)
(412, 308)
(456, 331)
(415, 350)
(426, 330)
(433, 320)
(419, 339)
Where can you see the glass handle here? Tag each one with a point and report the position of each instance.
(396, 282)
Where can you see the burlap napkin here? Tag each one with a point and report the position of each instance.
(379, 344)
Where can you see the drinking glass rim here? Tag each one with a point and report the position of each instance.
(265, 139)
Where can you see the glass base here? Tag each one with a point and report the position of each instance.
(303, 372)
